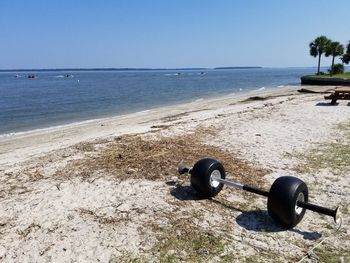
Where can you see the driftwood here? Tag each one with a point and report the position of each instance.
(313, 91)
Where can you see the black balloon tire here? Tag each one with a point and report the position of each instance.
(200, 177)
(282, 200)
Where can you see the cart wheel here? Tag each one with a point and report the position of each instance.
(282, 200)
(203, 176)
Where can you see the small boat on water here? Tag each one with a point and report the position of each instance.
(65, 76)
(32, 76)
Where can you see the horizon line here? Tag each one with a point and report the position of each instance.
(142, 68)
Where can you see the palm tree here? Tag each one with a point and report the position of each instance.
(334, 49)
(318, 47)
(346, 57)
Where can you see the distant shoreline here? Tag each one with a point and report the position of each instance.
(122, 69)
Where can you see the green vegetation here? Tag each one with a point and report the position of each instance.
(341, 76)
(323, 45)
(332, 255)
(337, 69)
(318, 47)
(345, 210)
(332, 155)
(192, 247)
(334, 49)
(184, 245)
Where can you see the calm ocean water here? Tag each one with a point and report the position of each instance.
(52, 99)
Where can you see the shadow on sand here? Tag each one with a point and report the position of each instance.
(184, 193)
(329, 104)
(326, 104)
(257, 220)
(260, 221)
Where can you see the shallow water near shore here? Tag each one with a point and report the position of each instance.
(57, 98)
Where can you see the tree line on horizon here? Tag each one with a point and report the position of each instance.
(323, 45)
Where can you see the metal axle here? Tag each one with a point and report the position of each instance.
(243, 187)
(335, 213)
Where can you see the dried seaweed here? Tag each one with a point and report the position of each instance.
(137, 157)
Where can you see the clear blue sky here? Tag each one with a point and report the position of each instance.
(166, 33)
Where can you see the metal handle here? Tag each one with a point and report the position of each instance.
(322, 210)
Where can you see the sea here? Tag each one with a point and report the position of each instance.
(40, 99)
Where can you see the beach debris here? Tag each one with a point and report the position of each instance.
(287, 199)
(256, 98)
(313, 91)
(138, 157)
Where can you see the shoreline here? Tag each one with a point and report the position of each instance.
(107, 116)
(46, 139)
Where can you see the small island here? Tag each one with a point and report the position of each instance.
(254, 67)
(327, 79)
(336, 75)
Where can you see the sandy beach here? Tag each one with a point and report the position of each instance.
(108, 190)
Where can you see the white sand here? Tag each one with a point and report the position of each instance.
(49, 220)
